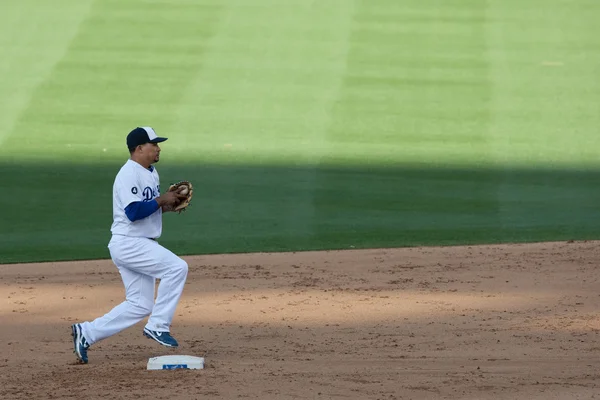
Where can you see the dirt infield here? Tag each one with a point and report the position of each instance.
(480, 322)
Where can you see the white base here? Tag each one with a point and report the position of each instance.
(175, 362)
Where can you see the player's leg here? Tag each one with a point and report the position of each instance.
(172, 272)
(140, 260)
(138, 304)
(147, 257)
(139, 294)
(139, 299)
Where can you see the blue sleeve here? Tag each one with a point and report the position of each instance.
(140, 209)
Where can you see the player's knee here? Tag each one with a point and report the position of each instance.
(182, 267)
(142, 308)
(146, 309)
(178, 268)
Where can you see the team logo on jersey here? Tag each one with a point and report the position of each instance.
(134, 190)
(147, 193)
(150, 193)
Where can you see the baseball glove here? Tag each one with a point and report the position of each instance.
(186, 188)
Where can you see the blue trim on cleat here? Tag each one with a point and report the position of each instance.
(80, 345)
(163, 338)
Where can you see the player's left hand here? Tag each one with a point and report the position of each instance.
(184, 188)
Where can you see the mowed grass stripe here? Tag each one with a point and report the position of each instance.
(34, 36)
(544, 69)
(271, 76)
(129, 65)
(416, 86)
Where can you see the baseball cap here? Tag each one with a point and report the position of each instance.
(143, 135)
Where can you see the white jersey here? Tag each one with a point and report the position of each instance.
(136, 183)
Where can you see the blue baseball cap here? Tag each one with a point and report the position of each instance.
(143, 135)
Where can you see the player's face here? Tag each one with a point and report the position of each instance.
(155, 151)
(151, 152)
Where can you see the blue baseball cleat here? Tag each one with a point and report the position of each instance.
(80, 345)
(163, 338)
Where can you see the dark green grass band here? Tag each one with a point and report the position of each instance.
(66, 211)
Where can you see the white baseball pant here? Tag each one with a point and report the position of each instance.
(140, 261)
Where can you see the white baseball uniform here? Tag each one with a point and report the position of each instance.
(140, 260)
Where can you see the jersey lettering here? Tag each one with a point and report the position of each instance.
(150, 193)
(147, 193)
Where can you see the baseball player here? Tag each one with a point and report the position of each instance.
(137, 224)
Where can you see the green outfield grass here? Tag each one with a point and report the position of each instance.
(303, 124)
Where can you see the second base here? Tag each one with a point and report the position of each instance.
(175, 362)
